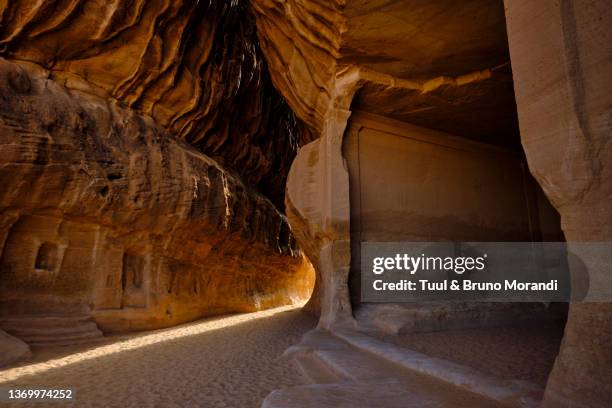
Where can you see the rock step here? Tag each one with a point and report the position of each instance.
(435, 316)
(40, 321)
(12, 349)
(356, 359)
(85, 327)
(315, 370)
(344, 376)
(51, 331)
(510, 393)
(52, 335)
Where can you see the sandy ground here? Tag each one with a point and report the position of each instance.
(232, 361)
(526, 352)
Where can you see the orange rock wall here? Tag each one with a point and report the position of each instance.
(101, 209)
(193, 66)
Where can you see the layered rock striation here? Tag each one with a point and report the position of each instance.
(102, 208)
(143, 159)
(423, 63)
(193, 66)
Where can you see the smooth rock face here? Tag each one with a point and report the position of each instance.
(12, 349)
(424, 173)
(561, 65)
(405, 183)
(318, 209)
(103, 209)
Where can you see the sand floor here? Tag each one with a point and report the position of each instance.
(523, 352)
(232, 361)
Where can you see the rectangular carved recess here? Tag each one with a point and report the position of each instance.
(132, 280)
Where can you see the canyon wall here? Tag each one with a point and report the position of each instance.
(195, 67)
(561, 64)
(145, 146)
(103, 209)
(143, 159)
(301, 41)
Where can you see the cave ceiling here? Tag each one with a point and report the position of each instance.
(422, 40)
(440, 64)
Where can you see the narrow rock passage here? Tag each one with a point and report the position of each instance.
(232, 361)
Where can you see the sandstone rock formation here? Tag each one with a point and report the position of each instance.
(102, 208)
(194, 67)
(53, 330)
(426, 63)
(561, 64)
(445, 65)
(145, 147)
(143, 158)
(301, 42)
(411, 61)
(405, 182)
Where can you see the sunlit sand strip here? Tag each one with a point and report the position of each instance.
(157, 336)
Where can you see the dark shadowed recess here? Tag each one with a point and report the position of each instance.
(251, 111)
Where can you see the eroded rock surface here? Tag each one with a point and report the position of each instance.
(101, 208)
(445, 65)
(193, 66)
(143, 159)
(405, 60)
(301, 41)
(427, 63)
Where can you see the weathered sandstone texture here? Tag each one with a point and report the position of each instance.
(301, 42)
(193, 66)
(318, 209)
(143, 159)
(420, 62)
(101, 209)
(12, 349)
(427, 63)
(446, 65)
(561, 65)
